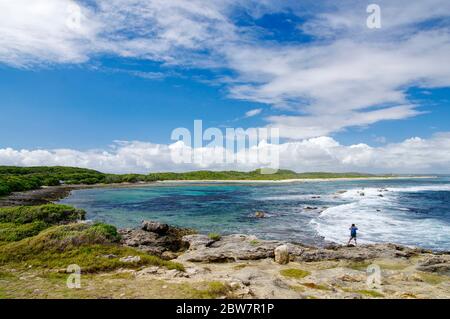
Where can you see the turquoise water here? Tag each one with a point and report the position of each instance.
(409, 211)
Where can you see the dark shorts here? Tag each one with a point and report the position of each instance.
(352, 236)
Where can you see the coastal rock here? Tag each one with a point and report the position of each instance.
(197, 241)
(130, 259)
(155, 239)
(229, 248)
(282, 254)
(359, 253)
(155, 227)
(260, 214)
(439, 264)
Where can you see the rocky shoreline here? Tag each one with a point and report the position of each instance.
(273, 269)
(244, 266)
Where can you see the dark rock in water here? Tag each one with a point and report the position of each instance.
(260, 215)
(156, 238)
(311, 207)
(155, 227)
(315, 197)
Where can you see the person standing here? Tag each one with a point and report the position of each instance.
(353, 230)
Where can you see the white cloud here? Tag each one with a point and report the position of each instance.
(346, 76)
(43, 32)
(414, 155)
(253, 112)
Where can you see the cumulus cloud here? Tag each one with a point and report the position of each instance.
(414, 155)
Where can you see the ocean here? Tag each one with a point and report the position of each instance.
(412, 212)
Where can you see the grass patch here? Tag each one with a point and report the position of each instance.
(50, 214)
(315, 286)
(214, 236)
(14, 232)
(254, 242)
(432, 279)
(6, 275)
(214, 289)
(240, 266)
(392, 266)
(358, 265)
(81, 244)
(294, 273)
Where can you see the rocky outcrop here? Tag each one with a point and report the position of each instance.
(155, 227)
(233, 248)
(260, 215)
(243, 247)
(360, 253)
(228, 248)
(156, 238)
(439, 264)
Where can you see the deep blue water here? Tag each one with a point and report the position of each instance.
(411, 211)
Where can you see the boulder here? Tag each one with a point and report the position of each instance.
(130, 259)
(228, 249)
(197, 241)
(282, 254)
(155, 227)
(155, 239)
(260, 214)
(439, 264)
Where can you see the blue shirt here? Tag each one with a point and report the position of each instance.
(353, 231)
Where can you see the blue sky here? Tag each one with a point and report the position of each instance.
(81, 75)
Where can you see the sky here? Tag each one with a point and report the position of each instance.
(102, 84)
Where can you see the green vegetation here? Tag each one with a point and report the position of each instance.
(254, 242)
(50, 213)
(46, 237)
(294, 273)
(213, 290)
(432, 279)
(214, 236)
(14, 232)
(14, 179)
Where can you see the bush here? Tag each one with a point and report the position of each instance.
(108, 231)
(50, 214)
(13, 232)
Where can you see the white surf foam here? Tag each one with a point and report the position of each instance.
(382, 219)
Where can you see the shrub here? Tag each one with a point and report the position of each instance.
(50, 214)
(13, 232)
(108, 231)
